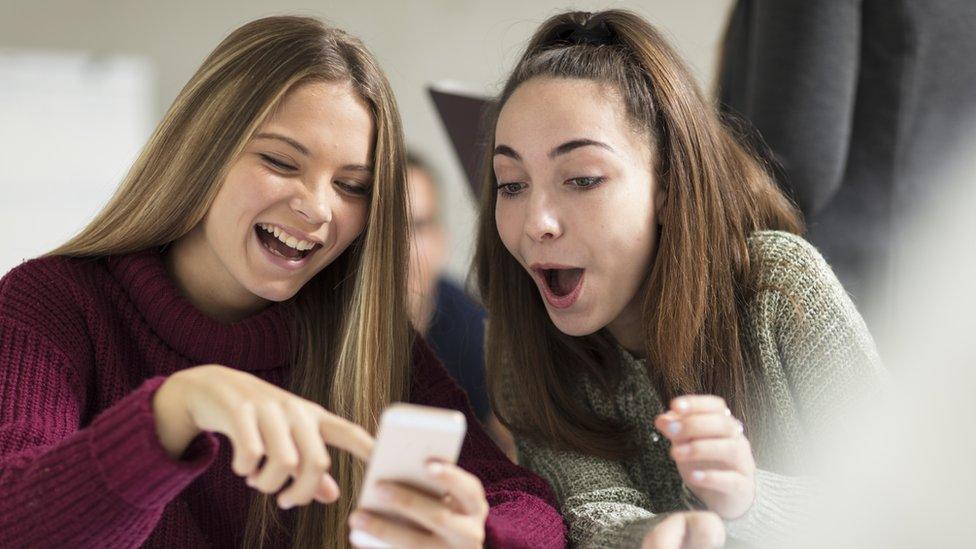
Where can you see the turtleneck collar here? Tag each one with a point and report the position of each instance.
(258, 342)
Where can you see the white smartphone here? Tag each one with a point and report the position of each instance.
(409, 437)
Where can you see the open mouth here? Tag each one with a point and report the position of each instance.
(561, 286)
(284, 245)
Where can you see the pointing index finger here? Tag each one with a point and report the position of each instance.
(346, 435)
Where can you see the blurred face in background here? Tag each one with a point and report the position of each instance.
(428, 245)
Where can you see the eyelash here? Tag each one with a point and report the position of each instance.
(278, 164)
(505, 191)
(357, 190)
(353, 189)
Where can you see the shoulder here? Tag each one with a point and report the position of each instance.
(779, 254)
(427, 372)
(49, 296)
(797, 298)
(453, 298)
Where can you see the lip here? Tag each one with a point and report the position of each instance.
(279, 261)
(557, 302)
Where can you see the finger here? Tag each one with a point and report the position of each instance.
(344, 434)
(423, 510)
(721, 453)
(282, 456)
(669, 533)
(328, 490)
(393, 533)
(724, 482)
(246, 440)
(463, 487)
(701, 426)
(313, 458)
(704, 529)
(699, 404)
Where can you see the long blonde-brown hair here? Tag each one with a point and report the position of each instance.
(717, 195)
(352, 336)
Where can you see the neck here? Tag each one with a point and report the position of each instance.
(628, 327)
(205, 281)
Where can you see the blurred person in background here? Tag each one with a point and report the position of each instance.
(856, 104)
(451, 321)
(899, 474)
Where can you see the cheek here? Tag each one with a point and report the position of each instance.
(245, 194)
(629, 231)
(350, 218)
(508, 222)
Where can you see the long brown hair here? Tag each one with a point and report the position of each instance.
(352, 337)
(717, 195)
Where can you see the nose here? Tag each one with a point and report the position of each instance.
(542, 222)
(314, 202)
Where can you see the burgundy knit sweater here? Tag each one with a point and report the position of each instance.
(84, 343)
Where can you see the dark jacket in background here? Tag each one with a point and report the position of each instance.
(457, 334)
(859, 102)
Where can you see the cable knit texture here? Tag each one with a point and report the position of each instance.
(811, 356)
(85, 343)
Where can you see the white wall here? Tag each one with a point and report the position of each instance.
(417, 43)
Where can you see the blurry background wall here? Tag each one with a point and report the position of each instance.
(154, 47)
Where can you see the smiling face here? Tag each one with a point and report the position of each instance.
(576, 202)
(293, 201)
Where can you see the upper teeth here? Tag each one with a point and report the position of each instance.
(289, 240)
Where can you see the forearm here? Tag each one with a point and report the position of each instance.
(106, 484)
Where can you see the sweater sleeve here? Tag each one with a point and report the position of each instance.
(523, 510)
(65, 484)
(830, 363)
(601, 504)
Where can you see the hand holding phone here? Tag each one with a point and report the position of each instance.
(413, 493)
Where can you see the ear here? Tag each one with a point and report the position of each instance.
(660, 197)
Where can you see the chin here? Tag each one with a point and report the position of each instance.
(576, 327)
(275, 292)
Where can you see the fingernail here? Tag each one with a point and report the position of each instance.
(742, 428)
(728, 412)
(435, 468)
(674, 427)
(681, 405)
(284, 503)
(683, 450)
(697, 476)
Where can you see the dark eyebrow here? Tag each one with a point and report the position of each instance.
(298, 146)
(505, 150)
(577, 143)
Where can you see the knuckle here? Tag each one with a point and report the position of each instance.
(440, 518)
(320, 462)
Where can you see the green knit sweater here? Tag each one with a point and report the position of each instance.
(811, 355)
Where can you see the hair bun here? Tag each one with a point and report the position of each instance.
(593, 31)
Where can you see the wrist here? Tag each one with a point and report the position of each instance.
(174, 426)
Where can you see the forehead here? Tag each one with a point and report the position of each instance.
(545, 112)
(325, 116)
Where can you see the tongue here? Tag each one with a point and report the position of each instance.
(278, 246)
(565, 281)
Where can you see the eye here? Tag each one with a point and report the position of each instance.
(584, 183)
(278, 164)
(355, 189)
(509, 190)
